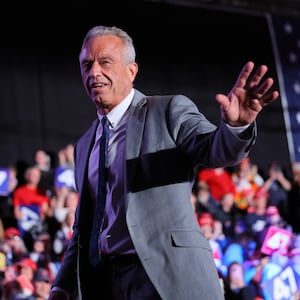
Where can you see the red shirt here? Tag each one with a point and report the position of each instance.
(24, 195)
(219, 183)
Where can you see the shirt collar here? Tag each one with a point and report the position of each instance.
(115, 115)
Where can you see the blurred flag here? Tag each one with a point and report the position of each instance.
(285, 34)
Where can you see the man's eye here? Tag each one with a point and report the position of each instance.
(86, 66)
(105, 63)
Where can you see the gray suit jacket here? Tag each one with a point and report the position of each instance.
(167, 139)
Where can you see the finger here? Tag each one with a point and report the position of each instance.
(257, 77)
(263, 88)
(265, 100)
(244, 75)
(262, 92)
(223, 101)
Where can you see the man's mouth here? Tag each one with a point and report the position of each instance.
(95, 85)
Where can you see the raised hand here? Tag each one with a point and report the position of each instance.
(250, 94)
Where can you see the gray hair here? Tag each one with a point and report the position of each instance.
(105, 30)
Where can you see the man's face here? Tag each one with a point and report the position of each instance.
(106, 76)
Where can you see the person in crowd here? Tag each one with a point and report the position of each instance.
(63, 236)
(12, 290)
(227, 212)
(31, 204)
(274, 218)
(256, 219)
(57, 202)
(247, 181)
(40, 252)
(63, 201)
(30, 195)
(66, 156)
(212, 230)
(13, 245)
(219, 180)
(294, 198)
(42, 160)
(56, 211)
(42, 284)
(25, 269)
(278, 187)
(156, 143)
(204, 201)
(235, 286)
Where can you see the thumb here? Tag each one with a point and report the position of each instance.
(223, 101)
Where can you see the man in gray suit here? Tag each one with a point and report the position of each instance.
(150, 244)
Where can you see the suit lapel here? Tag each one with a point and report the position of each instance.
(135, 126)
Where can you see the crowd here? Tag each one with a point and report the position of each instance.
(251, 221)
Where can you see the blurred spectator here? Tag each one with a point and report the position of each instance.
(25, 269)
(219, 181)
(42, 160)
(204, 201)
(294, 198)
(63, 235)
(226, 212)
(274, 218)
(256, 218)
(254, 277)
(247, 180)
(11, 290)
(64, 200)
(208, 225)
(42, 285)
(278, 187)
(66, 156)
(13, 246)
(235, 286)
(30, 201)
(40, 252)
(57, 202)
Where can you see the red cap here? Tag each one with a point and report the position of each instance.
(10, 232)
(206, 219)
(27, 262)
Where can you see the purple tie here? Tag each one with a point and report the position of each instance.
(101, 195)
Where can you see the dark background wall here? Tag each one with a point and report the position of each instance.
(194, 51)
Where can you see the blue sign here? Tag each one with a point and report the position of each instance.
(283, 286)
(4, 181)
(64, 177)
(31, 217)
